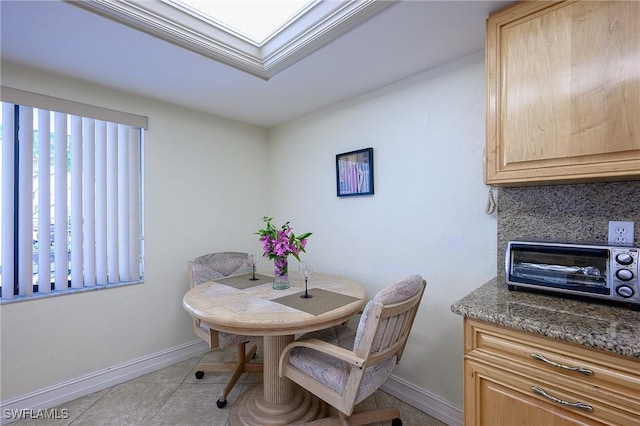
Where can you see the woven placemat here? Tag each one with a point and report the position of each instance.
(321, 302)
(243, 281)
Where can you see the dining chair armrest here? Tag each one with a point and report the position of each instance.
(324, 347)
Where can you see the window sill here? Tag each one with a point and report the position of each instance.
(57, 293)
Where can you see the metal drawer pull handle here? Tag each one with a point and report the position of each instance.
(580, 405)
(581, 370)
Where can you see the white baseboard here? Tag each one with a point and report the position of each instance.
(69, 390)
(425, 401)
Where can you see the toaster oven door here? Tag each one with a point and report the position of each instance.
(571, 269)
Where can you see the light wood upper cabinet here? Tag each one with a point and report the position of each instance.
(563, 94)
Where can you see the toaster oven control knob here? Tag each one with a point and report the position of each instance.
(624, 274)
(624, 259)
(625, 291)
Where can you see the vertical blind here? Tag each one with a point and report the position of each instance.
(71, 202)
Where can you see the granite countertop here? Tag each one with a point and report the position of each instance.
(590, 323)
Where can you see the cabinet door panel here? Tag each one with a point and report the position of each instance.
(499, 398)
(501, 405)
(563, 95)
(605, 67)
(537, 80)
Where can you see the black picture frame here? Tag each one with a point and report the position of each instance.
(354, 173)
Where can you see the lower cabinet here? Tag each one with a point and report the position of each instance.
(518, 378)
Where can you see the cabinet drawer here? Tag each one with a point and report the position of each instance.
(596, 369)
(502, 397)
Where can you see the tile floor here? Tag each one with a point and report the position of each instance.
(173, 396)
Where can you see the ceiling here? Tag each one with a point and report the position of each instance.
(391, 44)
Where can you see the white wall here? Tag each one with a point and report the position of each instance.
(427, 214)
(197, 200)
(427, 217)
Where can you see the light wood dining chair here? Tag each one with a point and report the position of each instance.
(206, 268)
(343, 367)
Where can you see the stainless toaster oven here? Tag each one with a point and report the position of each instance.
(597, 271)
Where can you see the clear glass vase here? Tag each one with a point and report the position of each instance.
(280, 273)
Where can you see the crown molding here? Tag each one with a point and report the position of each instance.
(314, 27)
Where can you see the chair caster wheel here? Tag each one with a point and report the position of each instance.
(396, 422)
(221, 403)
(199, 374)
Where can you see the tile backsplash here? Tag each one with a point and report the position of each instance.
(567, 213)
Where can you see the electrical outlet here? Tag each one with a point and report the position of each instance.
(621, 233)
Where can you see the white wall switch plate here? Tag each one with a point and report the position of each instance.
(620, 233)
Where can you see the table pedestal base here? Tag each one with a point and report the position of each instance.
(252, 410)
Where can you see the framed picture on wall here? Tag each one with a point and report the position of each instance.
(354, 173)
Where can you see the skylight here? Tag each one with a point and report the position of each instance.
(255, 19)
(261, 37)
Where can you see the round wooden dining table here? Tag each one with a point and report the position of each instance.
(234, 306)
